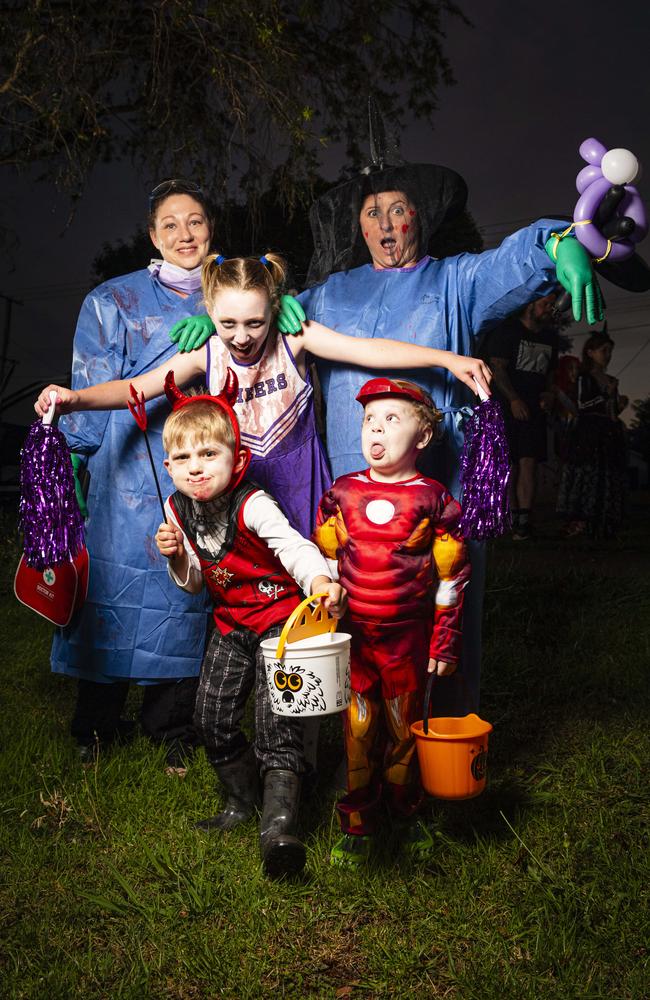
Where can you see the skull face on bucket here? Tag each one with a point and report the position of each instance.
(479, 763)
(293, 689)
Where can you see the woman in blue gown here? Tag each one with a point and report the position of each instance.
(136, 625)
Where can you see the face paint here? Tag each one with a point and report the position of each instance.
(391, 241)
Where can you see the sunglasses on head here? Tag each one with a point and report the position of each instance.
(174, 186)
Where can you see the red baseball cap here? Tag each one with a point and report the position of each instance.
(378, 388)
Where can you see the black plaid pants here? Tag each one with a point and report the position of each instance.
(232, 667)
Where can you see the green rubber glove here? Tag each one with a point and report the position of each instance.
(78, 465)
(575, 273)
(191, 332)
(291, 316)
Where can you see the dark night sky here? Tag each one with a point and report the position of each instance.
(534, 80)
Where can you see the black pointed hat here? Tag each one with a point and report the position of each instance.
(438, 193)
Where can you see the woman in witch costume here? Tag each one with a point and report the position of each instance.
(371, 276)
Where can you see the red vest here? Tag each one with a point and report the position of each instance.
(248, 584)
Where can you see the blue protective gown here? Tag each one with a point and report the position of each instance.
(438, 303)
(136, 624)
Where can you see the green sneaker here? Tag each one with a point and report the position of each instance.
(351, 851)
(416, 840)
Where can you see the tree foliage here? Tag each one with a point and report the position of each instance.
(213, 89)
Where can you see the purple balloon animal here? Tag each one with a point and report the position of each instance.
(604, 169)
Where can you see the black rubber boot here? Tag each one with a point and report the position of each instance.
(240, 779)
(282, 852)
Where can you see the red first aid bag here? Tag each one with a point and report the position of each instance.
(56, 592)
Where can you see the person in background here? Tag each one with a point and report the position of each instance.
(522, 353)
(565, 409)
(592, 489)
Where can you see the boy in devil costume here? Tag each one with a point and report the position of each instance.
(394, 534)
(227, 534)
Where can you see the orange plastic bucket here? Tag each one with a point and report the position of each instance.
(452, 753)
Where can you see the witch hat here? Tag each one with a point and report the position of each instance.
(438, 193)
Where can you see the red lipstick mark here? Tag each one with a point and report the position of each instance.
(366, 235)
(411, 212)
(405, 228)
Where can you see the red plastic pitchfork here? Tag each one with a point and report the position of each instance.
(138, 411)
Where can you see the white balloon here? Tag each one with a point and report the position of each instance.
(619, 166)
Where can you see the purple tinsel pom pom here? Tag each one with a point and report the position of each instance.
(50, 518)
(485, 471)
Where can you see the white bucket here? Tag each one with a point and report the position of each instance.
(312, 677)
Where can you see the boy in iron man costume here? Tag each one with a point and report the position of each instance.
(394, 535)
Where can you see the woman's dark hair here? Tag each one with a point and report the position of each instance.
(592, 343)
(178, 186)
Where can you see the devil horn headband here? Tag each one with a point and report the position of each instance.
(228, 394)
(225, 400)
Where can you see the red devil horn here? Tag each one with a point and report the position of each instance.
(173, 393)
(231, 387)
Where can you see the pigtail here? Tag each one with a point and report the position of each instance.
(210, 276)
(277, 266)
(278, 270)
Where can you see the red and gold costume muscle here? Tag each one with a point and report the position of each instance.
(399, 554)
(404, 565)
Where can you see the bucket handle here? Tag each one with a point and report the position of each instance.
(293, 617)
(427, 700)
(433, 676)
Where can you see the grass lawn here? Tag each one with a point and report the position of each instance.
(538, 888)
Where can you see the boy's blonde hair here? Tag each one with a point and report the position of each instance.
(200, 422)
(427, 412)
(244, 274)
